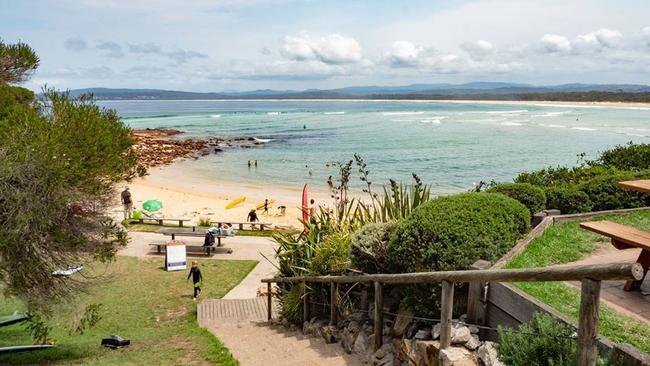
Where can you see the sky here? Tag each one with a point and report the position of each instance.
(225, 45)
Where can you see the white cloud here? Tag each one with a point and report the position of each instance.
(646, 35)
(333, 49)
(75, 44)
(554, 43)
(599, 40)
(405, 54)
(478, 50)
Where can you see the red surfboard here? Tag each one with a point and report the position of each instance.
(305, 204)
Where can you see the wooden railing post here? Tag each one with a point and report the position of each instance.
(305, 303)
(268, 301)
(333, 302)
(379, 315)
(446, 308)
(475, 306)
(364, 298)
(588, 323)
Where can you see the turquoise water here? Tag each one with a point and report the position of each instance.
(449, 145)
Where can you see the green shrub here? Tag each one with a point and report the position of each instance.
(369, 248)
(527, 194)
(332, 256)
(544, 341)
(626, 157)
(568, 200)
(453, 232)
(605, 194)
(291, 304)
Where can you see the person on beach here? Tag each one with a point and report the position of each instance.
(252, 217)
(266, 206)
(249, 164)
(127, 202)
(256, 163)
(312, 211)
(197, 279)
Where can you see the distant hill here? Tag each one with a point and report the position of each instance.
(474, 90)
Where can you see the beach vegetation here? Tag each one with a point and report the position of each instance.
(527, 194)
(204, 221)
(541, 342)
(369, 248)
(568, 200)
(451, 233)
(17, 62)
(60, 158)
(626, 157)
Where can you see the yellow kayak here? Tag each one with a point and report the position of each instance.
(261, 205)
(235, 202)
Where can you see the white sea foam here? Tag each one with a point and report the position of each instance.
(511, 124)
(583, 128)
(551, 114)
(215, 116)
(334, 112)
(431, 120)
(401, 113)
(263, 141)
(272, 113)
(554, 126)
(517, 111)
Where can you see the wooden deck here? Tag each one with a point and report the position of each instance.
(235, 309)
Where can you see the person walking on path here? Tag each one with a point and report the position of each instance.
(197, 278)
(127, 202)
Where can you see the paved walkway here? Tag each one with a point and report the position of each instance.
(239, 319)
(633, 303)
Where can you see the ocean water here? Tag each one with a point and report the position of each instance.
(451, 146)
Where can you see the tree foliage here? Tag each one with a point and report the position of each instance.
(17, 62)
(60, 158)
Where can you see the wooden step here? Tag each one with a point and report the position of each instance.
(235, 309)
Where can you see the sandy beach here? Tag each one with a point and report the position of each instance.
(185, 194)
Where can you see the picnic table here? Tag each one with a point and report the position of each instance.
(160, 220)
(241, 224)
(162, 247)
(642, 185)
(193, 234)
(624, 237)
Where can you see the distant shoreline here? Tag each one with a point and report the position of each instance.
(545, 103)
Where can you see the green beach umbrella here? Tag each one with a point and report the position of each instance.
(152, 205)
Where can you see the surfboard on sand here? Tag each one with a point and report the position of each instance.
(305, 203)
(261, 205)
(235, 202)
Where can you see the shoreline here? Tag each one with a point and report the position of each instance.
(546, 103)
(188, 195)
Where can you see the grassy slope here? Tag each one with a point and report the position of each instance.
(568, 243)
(141, 302)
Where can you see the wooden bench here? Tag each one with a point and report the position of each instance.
(160, 220)
(624, 237)
(161, 247)
(192, 234)
(241, 224)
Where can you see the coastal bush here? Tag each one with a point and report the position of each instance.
(369, 248)
(59, 162)
(568, 200)
(291, 304)
(527, 194)
(542, 342)
(626, 157)
(203, 221)
(453, 232)
(332, 256)
(605, 194)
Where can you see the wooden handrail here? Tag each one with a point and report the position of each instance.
(615, 271)
(590, 275)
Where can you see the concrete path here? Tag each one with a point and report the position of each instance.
(239, 319)
(632, 303)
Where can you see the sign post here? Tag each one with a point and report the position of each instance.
(175, 256)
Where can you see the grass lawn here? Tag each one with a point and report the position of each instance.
(141, 302)
(567, 243)
(151, 227)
